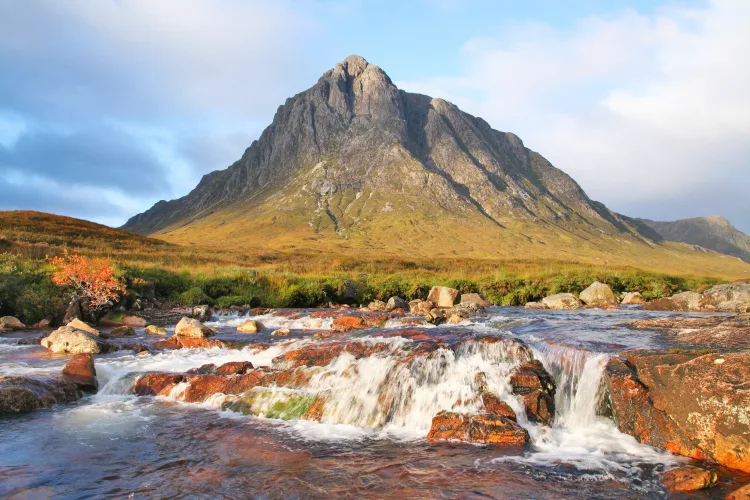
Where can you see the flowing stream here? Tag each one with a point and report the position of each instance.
(371, 436)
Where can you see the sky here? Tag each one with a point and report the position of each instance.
(108, 106)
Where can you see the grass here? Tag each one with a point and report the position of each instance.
(295, 278)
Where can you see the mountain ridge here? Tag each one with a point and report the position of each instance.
(354, 165)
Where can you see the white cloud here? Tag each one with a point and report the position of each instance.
(648, 113)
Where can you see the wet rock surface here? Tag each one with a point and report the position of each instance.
(689, 478)
(482, 428)
(725, 332)
(690, 404)
(26, 393)
(81, 370)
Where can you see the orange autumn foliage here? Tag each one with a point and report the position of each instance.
(91, 278)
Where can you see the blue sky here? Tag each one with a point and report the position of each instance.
(107, 106)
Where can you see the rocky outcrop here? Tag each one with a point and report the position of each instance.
(598, 295)
(690, 404)
(481, 428)
(192, 328)
(688, 478)
(443, 296)
(250, 326)
(731, 297)
(69, 340)
(537, 388)
(740, 494)
(632, 299)
(562, 301)
(25, 393)
(81, 370)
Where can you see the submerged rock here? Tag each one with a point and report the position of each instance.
(80, 369)
(25, 393)
(443, 296)
(155, 330)
(122, 331)
(690, 404)
(481, 428)
(598, 295)
(689, 478)
(281, 332)
(192, 328)
(561, 301)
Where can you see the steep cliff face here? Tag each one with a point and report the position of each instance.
(713, 233)
(354, 153)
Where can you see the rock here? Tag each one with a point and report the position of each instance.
(540, 407)
(728, 332)
(281, 332)
(203, 369)
(436, 317)
(347, 323)
(9, 323)
(80, 369)
(80, 325)
(45, 323)
(535, 305)
(475, 298)
(493, 404)
(421, 307)
(234, 368)
(632, 299)
(156, 384)
(377, 305)
(122, 331)
(731, 297)
(442, 296)
(67, 339)
(685, 301)
(134, 321)
(692, 404)
(250, 326)
(396, 303)
(598, 295)
(740, 494)
(155, 330)
(482, 428)
(73, 311)
(192, 328)
(561, 301)
(25, 393)
(531, 376)
(201, 313)
(688, 478)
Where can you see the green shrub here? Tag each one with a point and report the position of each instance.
(237, 300)
(39, 301)
(194, 297)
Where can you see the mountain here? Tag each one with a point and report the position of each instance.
(714, 233)
(356, 166)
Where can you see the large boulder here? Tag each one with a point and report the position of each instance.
(442, 296)
(598, 295)
(25, 393)
(632, 299)
(481, 428)
(731, 297)
(201, 313)
(537, 388)
(81, 370)
(80, 325)
(70, 340)
(474, 298)
(692, 404)
(561, 301)
(192, 328)
(9, 323)
(535, 305)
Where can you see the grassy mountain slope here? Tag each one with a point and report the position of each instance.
(714, 233)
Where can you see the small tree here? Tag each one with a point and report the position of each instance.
(93, 279)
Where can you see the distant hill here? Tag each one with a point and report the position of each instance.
(356, 166)
(714, 233)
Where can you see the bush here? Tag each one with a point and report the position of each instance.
(237, 300)
(39, 301)
(194, 297)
